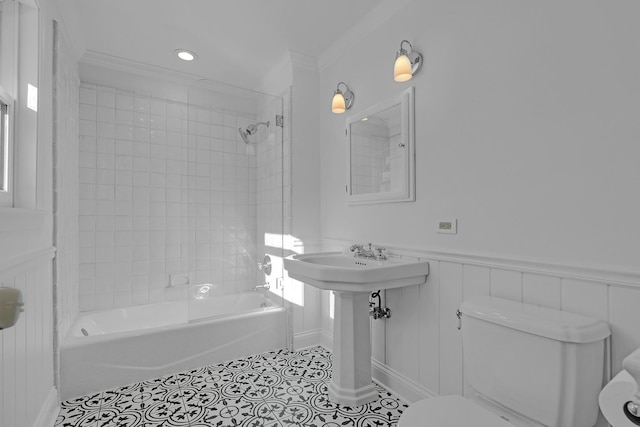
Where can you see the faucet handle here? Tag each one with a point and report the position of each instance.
(380, 253)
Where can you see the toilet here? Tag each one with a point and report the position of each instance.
(525, 365)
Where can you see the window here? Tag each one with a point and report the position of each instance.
(19, 37)
(7, 61)
(6, 152)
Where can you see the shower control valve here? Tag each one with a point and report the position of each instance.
(265, 265)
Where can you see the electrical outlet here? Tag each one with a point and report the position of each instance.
(448, 226)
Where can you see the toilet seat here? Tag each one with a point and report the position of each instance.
(449, 411)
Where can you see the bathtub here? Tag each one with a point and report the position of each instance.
(112, 348)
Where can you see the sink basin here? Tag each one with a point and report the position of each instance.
(339, 272)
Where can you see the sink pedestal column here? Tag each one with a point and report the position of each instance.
(351, 376)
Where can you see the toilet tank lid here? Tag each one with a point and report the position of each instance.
(543, 321)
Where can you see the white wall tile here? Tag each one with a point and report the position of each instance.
(106, 97)
(147, 176)
(87, 95)
(124, 100)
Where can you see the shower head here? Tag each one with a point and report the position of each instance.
(250, 130)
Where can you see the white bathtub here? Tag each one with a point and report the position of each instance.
(112, 348)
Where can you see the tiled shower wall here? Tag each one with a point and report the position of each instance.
(164, 189)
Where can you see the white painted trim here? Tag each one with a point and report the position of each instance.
(301, 60)
(115, 63)
(22, 262)
(140, 69)
(49, 410)
(373, 20)
(306, 339)
(406, 389)
(18, 219)
(70, 29)
(403, 387)
(609, 275)
(326, 340)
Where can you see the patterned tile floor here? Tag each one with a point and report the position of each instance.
(276, 389)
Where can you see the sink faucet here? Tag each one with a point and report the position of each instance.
(359, 251)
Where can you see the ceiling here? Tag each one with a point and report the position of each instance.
(237, 41)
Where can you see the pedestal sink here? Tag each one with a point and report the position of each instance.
(352, 279)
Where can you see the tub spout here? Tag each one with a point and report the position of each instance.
(265, 287)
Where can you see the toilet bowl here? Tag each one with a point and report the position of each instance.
(525, 366)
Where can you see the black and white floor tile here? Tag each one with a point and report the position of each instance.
(281, 388)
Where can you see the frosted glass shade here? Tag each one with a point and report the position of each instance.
(402, 69)
(338, 104)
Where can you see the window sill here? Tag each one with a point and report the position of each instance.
(19, 219)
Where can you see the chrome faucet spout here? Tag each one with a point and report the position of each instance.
(265, 287)
(377, 253)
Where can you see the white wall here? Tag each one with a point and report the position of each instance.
(526, 130)
(28, 396)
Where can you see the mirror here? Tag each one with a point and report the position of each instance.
(381, 160)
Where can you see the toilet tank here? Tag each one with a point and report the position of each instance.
(544, 364)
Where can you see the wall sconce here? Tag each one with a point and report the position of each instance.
(342, 101)
(407, 63)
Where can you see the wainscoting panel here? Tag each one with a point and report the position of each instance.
(506, 284)
(429, 333)
(541, 290)
(26, 349)
(425, 332)
(450, 337)
(624, 318)
(585, 297)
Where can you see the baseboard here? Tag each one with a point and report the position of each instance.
(49, 410)
(406, 389)
(326, 340)
(305, 339)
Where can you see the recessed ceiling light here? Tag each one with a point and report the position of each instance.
(186, 55)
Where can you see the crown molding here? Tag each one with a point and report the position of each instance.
(372, 21)
(301, 60)
(115, 63)
(153, 72)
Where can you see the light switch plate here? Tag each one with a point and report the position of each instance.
(447, 226)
